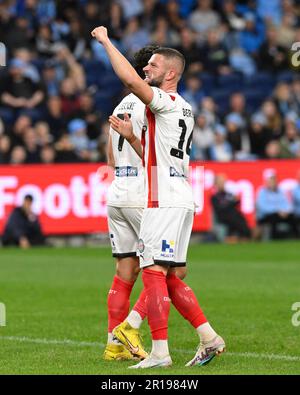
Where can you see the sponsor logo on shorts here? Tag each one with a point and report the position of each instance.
(126, 171)
(167, 249)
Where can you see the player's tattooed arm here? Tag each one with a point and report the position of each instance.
(124, 128)
(123, 68)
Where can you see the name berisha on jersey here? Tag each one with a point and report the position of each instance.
(128, 105)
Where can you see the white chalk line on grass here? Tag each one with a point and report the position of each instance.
(75, 343)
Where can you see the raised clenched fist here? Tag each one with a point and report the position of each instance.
(100, 34)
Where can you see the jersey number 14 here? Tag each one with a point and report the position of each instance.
(178, 152)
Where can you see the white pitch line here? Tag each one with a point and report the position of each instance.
(68, 342)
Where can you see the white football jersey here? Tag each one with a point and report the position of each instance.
(128, 187)
(170, 124)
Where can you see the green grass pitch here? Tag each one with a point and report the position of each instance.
(56, 310)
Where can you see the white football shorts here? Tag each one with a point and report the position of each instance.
(164, 236)
(124, 228)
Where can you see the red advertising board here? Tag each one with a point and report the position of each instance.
(71, 198)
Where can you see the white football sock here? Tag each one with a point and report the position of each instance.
(111, 339)
(134, 319)
(160, 348)
(206, 332)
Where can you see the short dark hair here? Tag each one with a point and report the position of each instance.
(28, 197)
(171, 53)
(142, 57)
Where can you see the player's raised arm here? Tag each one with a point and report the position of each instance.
(123, 68)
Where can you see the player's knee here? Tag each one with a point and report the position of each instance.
(181, 272)
(127, 270)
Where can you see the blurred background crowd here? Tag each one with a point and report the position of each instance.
(58, 87)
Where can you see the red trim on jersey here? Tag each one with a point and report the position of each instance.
(152, 164)
(172, 97)
(143, 142)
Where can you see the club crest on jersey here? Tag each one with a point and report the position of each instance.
(141, 246)
(167, 249)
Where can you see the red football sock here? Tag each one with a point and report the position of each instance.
(140, 306)
(118, 302)
(157, 302)
(185, 301)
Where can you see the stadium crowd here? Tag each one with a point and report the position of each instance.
(59, 88)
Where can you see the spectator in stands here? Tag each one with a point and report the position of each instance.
(135, 37)
(203, 19)
(50, 78)
(23, 227)
(74, 40)
(18, 129)
(286, 30)
(18, 155)
(20, 94)
(231, 17)
(290, 141)
(172, 12)
(193, 92)
(273, 150)
(188, 47)
(237, 136)
(273, 207)
(259, 135)
(220, 150)
(251, 37)
(163, 35)
(115, 22)
(226, 210)
(43, 135)
(271, 56)
(274, 121)
(65, 152)
(31, 146)
(237, 104)
(55, 117)
(69, 96)
(4, 148)
(90, 115)
(214, 54)
(283, 98)
(84, 148)
(44, 42)
(152, 10)
(47, 154)
(203, 137)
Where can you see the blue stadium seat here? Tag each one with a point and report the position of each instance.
(103, 102)
(232, 82)
(262, 80)
(286, 76)
(221, 97)
(254, 98)
(208, 82)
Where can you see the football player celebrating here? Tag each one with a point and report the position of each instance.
(168, 217)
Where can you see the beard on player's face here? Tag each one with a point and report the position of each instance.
(156, 82)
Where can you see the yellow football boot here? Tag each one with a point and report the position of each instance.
(131, 339)
(116, 352)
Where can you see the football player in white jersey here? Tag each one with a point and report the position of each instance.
(168, 217)
(125, 203)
